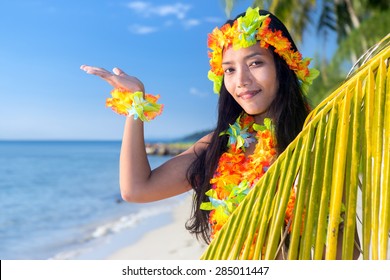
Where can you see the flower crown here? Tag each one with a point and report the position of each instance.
(245, 32)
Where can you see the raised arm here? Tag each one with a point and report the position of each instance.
(138, 183)
(141, 184)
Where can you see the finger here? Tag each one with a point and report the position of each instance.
(101, 72)
(85, 67)
(91, 68)
(118, 71)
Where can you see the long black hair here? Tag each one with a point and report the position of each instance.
(288, 111)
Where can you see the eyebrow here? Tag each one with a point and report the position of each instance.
(246, 57)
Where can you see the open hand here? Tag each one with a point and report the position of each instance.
(117, 78)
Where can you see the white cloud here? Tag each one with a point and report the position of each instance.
(174, 14)
(139, 6)
(142, 29)
(196, 92)
(213, 20)
(191, 22)
(169, 23)
(147, 9)
(179, 10)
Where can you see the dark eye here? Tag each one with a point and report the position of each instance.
(256, 63)
(229, 70)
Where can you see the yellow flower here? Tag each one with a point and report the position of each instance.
(216, 63)
(120, 102)
(134, 104)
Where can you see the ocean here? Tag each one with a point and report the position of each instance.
(61, 200)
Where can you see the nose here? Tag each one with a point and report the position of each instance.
(244, 78)
(241, 85)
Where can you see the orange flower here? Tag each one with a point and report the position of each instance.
(120, 101)
(230, 32)
(251, 249)
(290, 211)
(128, 103)
(217, 219)
(157, 108)
(216, 63)
(236, 173)
(266, 23)
(293, 59)
(215, 39)
(246, 121)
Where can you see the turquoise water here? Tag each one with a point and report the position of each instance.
(59, 197)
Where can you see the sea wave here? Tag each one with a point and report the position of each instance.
(100, 235)
(128, 221)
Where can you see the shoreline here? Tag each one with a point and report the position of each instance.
(154, 232)
(166, 149)
(167, 242)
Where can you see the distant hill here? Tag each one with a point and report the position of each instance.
(194, 136)
(175, 146)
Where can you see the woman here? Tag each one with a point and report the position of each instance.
(261, 78)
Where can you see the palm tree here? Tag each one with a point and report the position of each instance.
(357, 24)
(340, 166)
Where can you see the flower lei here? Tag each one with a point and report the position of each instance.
(245, 32)
(236, 174)
(134, 104)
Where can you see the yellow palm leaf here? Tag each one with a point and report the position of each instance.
(340, 167)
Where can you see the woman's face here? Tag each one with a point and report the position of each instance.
(250, 77)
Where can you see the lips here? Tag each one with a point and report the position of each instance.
(248, 94)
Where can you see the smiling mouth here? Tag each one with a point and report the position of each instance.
(248, 94)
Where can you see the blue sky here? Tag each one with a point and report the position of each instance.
(44, 94)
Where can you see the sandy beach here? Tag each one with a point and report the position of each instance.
(168, 242)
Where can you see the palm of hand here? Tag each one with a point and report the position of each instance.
(117, 78)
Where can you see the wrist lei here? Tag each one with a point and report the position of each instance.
(247, 31)
(128, 103)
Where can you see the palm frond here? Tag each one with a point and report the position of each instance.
(340, 167)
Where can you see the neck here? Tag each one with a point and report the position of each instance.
(259, 119)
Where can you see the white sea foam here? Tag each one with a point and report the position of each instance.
(100, 235)
(129, 221)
